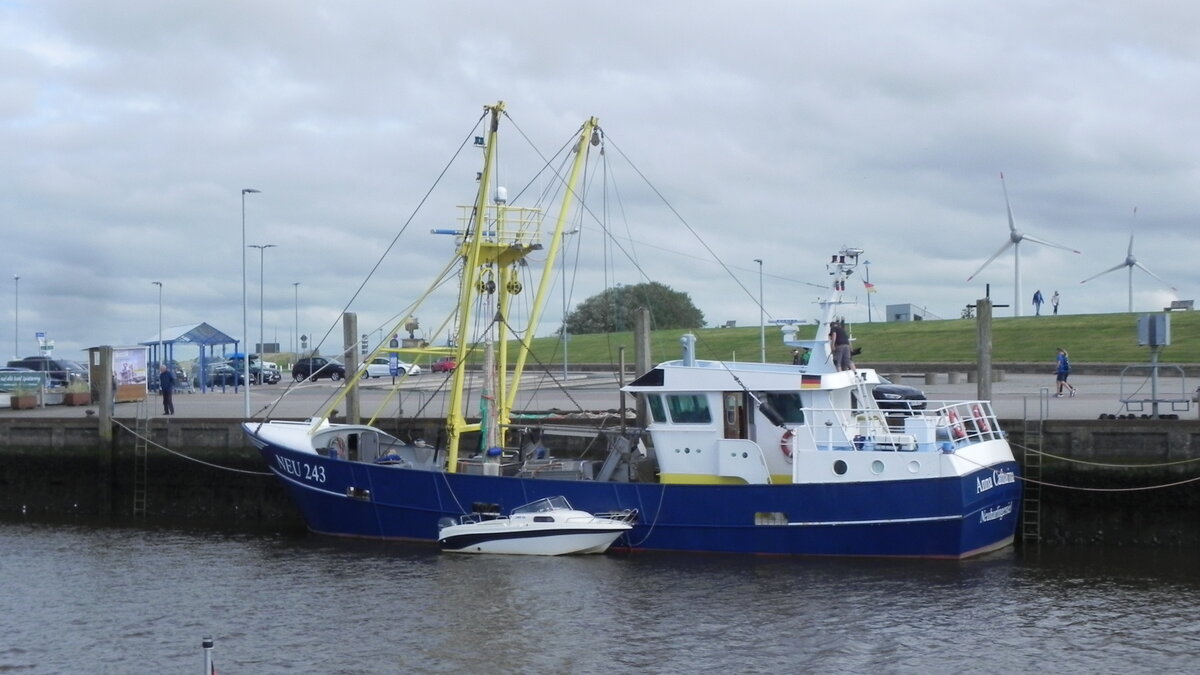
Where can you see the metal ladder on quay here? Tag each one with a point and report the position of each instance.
(141, 447)
(1031, 500)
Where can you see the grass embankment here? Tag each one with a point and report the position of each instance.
(1089, 338)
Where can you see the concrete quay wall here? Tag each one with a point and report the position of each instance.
(1107, 482)
(1116, 482)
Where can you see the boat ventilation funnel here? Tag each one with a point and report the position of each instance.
(688, 342)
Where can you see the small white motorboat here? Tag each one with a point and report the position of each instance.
(549, 526)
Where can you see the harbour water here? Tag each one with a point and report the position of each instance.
(90, 598)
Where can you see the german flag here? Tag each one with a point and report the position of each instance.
(810, 381)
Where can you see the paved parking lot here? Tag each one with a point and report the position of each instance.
(1032, 396)
(1016, 397)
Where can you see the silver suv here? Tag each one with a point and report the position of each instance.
(59, 372)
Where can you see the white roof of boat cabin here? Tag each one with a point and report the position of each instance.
(719, 376)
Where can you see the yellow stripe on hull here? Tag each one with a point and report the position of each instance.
(702, 479)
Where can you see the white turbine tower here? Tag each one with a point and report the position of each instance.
(1130, 262)
(1014, 240)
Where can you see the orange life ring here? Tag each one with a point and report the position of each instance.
(785, 443)
(980, 420)
(956, 430)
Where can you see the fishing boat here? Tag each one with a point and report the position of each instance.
(731, 457)
(547, 526)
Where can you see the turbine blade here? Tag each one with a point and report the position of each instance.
(1043, 242)
(1114, 268)
(1147, 271)
(1012, 226)
(1129, 251)
(995, 255)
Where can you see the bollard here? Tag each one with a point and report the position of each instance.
(997, 375)
(931, 378)
(972, 376)
(954, 378)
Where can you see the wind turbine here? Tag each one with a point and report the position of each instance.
(1014, 240)
(1131, 262)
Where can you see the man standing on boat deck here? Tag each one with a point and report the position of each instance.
(839, 346)
(166, 385)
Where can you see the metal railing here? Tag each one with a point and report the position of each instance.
(941, 426)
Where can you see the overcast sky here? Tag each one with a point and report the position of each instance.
(776, 130)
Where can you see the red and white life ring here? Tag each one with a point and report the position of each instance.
(956, 429)
(981, 422)
(785, 443)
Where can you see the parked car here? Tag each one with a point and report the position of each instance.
(217, 374)
(445, 364)
(380, 366)
(271, 373)
(315, 367)
(59, 372)
(890, 396)
(255, 367)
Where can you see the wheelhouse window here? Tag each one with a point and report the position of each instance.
(657, 411)
(787, 404)
(689, 408)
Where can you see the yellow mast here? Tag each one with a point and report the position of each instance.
(493, 252)
(589, 134)
(456, 423)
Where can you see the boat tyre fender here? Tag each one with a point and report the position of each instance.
(786, 442)
(981, 422)
(956, 428)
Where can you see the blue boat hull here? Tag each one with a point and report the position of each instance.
(937, 517)
(924, 518)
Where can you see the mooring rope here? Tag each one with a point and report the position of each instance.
(662, 495)
(1096, 489)
(1109, 464)
(190, 459)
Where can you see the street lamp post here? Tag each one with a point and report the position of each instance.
(245, 325)
(296, 327)
(867, 268)
(161, 355)
(262, 339)
(16, 314)
(762, 326)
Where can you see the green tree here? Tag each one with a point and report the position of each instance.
(612, 310)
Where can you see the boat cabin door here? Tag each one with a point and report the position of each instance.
(737, 423)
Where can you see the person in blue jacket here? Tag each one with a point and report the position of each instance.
(1061, 373)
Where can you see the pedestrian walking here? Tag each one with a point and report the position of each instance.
(1061, 372)
(166, 386)
(1054, 302)
(1037, 302)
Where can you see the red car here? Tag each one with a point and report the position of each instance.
(445, 364)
